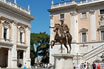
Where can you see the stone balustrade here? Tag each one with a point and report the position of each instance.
(68, 3)
(16, 6)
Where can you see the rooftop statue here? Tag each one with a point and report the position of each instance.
(62, 36)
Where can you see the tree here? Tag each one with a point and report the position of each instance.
(41, 41)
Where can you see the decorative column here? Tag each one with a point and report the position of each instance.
(51, 28)
(51, 59)
(9, 58)
(28, 60)
(74, 26)
(24, 58)
(13, 50)
(93, 25)
(74, 31)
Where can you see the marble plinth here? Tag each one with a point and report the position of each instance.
(63, 61)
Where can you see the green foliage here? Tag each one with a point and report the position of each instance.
(41, 41)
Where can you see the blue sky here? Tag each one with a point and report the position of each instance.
(39, 9)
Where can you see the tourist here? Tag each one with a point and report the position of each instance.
(81, 66)
(25, 66)
(98, 66)
(93, 66)
(88, 65)
(74, 66)
(85, 66)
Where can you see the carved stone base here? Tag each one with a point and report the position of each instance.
(63, 61)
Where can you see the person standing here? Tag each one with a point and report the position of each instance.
(74, 65)
(25, 66)
(94, 65)
(98, 66)
(88, 65)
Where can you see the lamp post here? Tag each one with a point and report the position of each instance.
(77, 60)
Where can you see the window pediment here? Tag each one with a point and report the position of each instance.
(101, 28)
(6, 24)
(83, 30)
(21, 29)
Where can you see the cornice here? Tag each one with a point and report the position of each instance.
(15, 10)
(62, 8)
(6, 43)
(12, 21)
(76, 6)
(91, 4)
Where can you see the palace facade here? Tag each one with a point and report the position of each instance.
(14, 35)
(86, 22)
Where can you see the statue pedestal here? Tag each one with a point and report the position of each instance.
(63, 61)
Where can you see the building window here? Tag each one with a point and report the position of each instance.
(6, 29)
(83, 15)
(84, 37)
(102, 11)
(84, 34)
(61, 16)
(5, 34)
(21, 34)
(102, 35)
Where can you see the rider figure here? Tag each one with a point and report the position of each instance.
(64, 30)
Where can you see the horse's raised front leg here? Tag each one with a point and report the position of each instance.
(52, 43)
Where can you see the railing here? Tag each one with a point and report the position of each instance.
(93, 52)
(62, 3)
(15, 6)
(70, 2)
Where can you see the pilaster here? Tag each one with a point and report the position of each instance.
(93, 25)
(51, 27)
(14, 50)
(9, 58)
(28, 60)
(51, 37)
(74, 26)
(24, 58)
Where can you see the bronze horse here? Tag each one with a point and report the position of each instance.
(67, 39)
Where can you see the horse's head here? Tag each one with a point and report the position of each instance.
(56, 27)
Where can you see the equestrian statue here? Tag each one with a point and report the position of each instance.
(62, 36)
